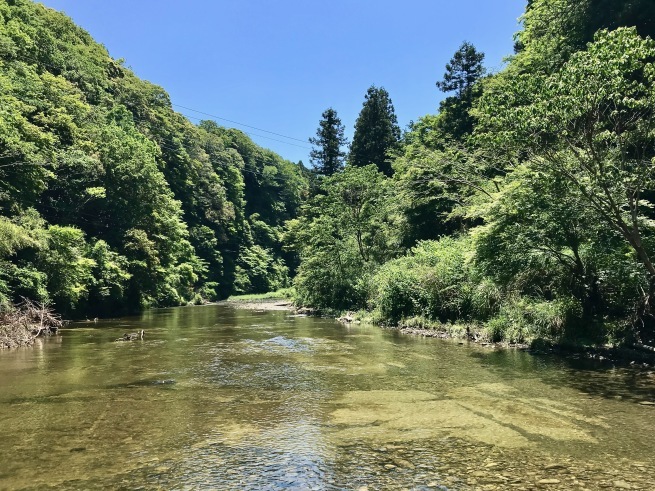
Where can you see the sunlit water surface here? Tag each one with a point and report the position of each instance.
(217, 398)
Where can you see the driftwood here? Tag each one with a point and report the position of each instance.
(22, 323)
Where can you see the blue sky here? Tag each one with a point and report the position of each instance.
(277, 65)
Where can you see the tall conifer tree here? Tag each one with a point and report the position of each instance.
(328, 157)
(376, 131)
(462, 72)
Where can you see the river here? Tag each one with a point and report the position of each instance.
(219, 398)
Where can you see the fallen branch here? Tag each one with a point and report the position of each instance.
(22, 323)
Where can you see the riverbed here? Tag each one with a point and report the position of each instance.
(220, 398)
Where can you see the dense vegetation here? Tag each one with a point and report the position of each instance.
(111, 201)
(523, 208)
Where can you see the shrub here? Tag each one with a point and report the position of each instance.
(436, 281)
(525, 319)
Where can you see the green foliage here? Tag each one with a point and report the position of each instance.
(555, 29)
(110, 276)
(552, 31)
(434, 281)
(13, 237)
(588, 134)
(344, 232)
(67, 269)
(463, 72)
(329, 157)
(286, 293)
(111, 201)
(526, 204)
(259, 271)
(376, 132)
(523, 320)
(432, 185)
(332, 279)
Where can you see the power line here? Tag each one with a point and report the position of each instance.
(156, 140)
(240, 124)
(251, 134)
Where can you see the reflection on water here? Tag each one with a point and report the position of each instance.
(220, 398)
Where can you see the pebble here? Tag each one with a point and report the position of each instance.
(549, 481)
(622, 485)
(647, 403)
(404, 463)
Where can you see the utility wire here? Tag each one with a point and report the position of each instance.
(248, 133)
(240, 124)
(174, 146)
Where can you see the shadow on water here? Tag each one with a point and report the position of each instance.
(589, 376)
(166, 383)
(71, 396)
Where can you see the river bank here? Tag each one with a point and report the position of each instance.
(613, 354)
(463, 333)
(472, 333)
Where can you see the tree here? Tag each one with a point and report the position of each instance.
(540, 241)
(343, 235)
(462, 73)
(554, 29)
(464, 69)
(108, 198)
(376, 132)
(328, 158)
(592, 123)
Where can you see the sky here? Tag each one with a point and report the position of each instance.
(277, 65)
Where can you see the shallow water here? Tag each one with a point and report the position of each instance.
(217, 398)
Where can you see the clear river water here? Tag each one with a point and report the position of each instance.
(220, 398)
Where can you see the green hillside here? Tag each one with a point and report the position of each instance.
(112, 201)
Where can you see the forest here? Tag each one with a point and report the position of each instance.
(523, 209)
(113, 202)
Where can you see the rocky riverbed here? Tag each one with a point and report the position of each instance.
(448, 464)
